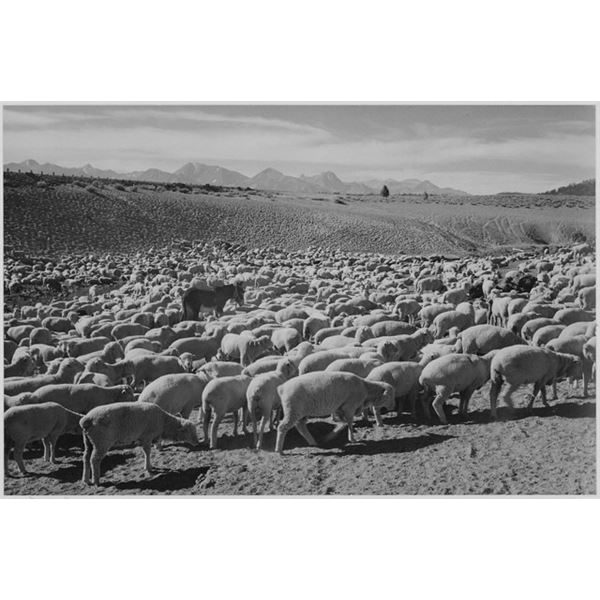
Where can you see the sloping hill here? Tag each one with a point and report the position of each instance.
(583, 188)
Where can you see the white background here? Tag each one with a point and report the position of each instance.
(334, 51)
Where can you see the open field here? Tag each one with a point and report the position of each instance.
(548, 452)
(126, 237)
(68, 215)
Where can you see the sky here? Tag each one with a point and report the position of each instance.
(479, 149)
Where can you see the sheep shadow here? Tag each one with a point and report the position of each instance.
(73, 471)
(391, 446)
(167, 481)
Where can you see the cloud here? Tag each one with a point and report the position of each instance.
(480, 149)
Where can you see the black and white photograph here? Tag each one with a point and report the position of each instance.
(306, 299)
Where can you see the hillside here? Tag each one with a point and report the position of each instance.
(583, 188)
(57, 215)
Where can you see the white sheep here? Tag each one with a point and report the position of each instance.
(462, 373)
(519, 365)
(323, 394)
(178, 393)
(127, 423)
(221, 396)
(262, 396)
(481, 339)
(46, 422)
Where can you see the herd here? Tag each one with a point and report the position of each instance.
(270, 337)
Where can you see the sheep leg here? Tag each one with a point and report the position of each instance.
(205, 422)
(284, 426)
(305, 433)
(146, 448)
(494, 391)
(214, 426)
(18, 454)
(236, 422)
(87, 450)
(465, 396)
(254, 434)
(6, 451)
(263, 422)
(46, 443)
(438, 403)
(554, 390)
(586, 377)
(95, 460)
(377, 414)
(244, 420)
(508, 395)
(425, 402)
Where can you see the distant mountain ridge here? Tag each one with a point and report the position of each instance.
(269, 179)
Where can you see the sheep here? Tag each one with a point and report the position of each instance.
(199, 347)
(403, 376)
(68, 370)
(428, 313)
(518, 365)
(360, 366)
(319, 361)
(127, 423)
(429, 284)
(339, 341)
(313, 324)
(178, 393)
(585, 328)
(222, 396)
(23, 366)
(222, 368)
(408, 310)
(544, 334)
(586, 298)
(462, 373)
(262, 397)
(323, 394)
(148, 367)
(481, 339)
(80, 398)
(253, 348)
(589, 356)
(566, 316)
(78, 347)
(385, 328)
(46, 422)
(405, 347)
(326, 332)
(516, 321)
(115, 372)
(573, 345)
(529, 329)
(454, 318)
(285, 338)
(433, 351)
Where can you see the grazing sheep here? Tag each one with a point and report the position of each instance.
(148, 367)
(408, 310)
(360, 366)
(253, 348)
(428, 313)
(127, 423)
(23, 366)
(323, 394)
(585, 328)
(385, 328)
(222, 396)
(115, 372)
(318, 361)
(79, 398)
(586, 298)
(433, 351)
(46, 422)
(68, 370)
(285, 338)
(452, 319)
(313, 324)
(529, 329)
(199, 347)
(589, 356)
(78, 347)
(544, 334)
(516, 321)
(481, 339)
(262, 397)
(573, 345)
(462, 373)
(178, 393)
(405, 347)
(518, 365)
(222, 368)
(567, 316)
(404, 378)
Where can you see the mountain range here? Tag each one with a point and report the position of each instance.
(268, 179)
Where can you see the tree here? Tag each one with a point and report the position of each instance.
(384, 191)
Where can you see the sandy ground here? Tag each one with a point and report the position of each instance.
(551, 451)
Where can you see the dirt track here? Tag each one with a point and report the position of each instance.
(548, 452)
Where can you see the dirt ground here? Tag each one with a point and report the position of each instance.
(551, 451)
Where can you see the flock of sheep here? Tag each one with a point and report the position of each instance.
(310, 334)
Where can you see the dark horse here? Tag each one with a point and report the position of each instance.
(193, 299)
